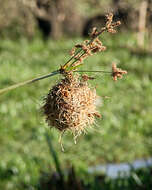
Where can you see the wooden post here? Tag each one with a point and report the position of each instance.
(142, 23)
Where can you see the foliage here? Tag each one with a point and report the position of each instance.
(24, 17)
(16, 19)
(123, 134)
(138, 179)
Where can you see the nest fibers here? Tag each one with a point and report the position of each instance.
(71, 105)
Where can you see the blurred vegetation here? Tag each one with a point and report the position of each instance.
(124, 133)
(138, 179)
(57, 18)
(16, 19)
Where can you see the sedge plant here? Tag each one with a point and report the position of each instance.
(70, 105)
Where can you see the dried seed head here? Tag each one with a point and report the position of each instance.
(70, 105)
(94, 32)
(117, 72)
(72, 52)
(110, 25)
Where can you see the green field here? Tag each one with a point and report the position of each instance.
(123, 134)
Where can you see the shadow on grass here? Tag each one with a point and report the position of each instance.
(138, 180)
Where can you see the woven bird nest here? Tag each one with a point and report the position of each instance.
(71, 105)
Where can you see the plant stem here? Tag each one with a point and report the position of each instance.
(100, 71)
(54, 156)
(28, 82)
(43, 77)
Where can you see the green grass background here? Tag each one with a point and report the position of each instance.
(123, 134)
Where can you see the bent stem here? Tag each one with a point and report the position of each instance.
(28, 82)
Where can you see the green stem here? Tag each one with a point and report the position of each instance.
(94, 71)
(54, 156)
(28, 82)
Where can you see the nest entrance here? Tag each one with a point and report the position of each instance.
(71, 105)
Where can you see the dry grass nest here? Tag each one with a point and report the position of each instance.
(71, 105)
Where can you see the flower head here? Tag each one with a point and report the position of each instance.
(71, 105)
(117, 72)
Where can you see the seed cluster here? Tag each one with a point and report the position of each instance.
(89, 47)
(117, 72)
(88, 50)
(70, 105)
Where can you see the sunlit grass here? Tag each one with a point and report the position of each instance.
(123, 134)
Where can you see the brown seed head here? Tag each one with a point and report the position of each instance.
(70, 105)
(117, 72)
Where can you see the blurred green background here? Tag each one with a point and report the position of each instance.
(122, 135)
